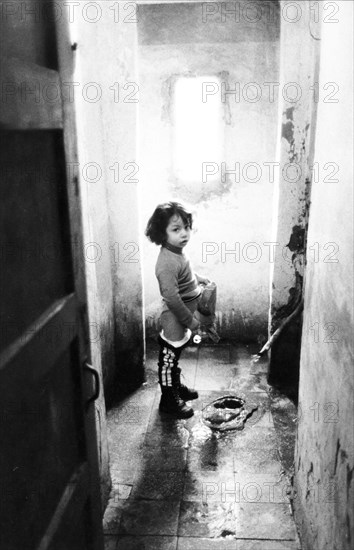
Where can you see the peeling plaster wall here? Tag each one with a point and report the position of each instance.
(107, 129)
(299, 46)
(324, 452)
(118, 44)
(299, 60)
(175, 41)
(107, 135)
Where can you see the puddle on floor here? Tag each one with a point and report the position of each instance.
(226, 413)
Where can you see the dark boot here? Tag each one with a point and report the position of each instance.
(184, 392)
(171, 403)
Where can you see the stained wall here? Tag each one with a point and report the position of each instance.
(300, 53)
(107, 143)
(325, 453)
(233, 211)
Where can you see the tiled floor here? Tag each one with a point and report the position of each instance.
(179, 486)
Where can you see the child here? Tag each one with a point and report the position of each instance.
(170, 226)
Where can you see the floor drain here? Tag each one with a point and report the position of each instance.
(229, 403)
(227, 413)
(227, 533)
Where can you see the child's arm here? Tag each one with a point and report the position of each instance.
(201, 280)
(169, 291)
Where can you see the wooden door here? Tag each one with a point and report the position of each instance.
(49, 479)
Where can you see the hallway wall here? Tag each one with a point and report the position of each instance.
(299, 46)
(105, 56)
(325, 454)
(107, 140)
(233, 217)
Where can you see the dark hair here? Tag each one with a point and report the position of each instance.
(156, 227)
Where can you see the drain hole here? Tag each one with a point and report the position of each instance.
(227, 413)
(229, 404)
(227, 533)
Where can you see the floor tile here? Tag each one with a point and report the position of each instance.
(255, 437)
(166, 431)
(241, 354)
(214, 370)
(165, 422)
(191, 351)
(265, 521)
(125, 435)
(210, 455)
(285, 419)
(163, 458)
(260, 461)
(110, 542)
(260, 366)
(249, 382)
(267, 545)
(120, 491)
(163, 438)
(194, 543)
(208, 486)
(122, 476)
(133, 410)
(158, 485)
(128, 542)
(112, 518)
(214, 377)
(152, 517)
(208, 520)
(214, 355)
(261, 488)
(216, 490)
(126, 456)
(188, 365)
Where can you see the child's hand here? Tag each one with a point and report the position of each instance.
(195, 324)
(204, 280)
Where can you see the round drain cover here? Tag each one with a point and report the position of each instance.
(226, 413)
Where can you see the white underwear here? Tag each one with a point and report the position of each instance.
(178, 343)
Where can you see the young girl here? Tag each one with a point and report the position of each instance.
(170, 226)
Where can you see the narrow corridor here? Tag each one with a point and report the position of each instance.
(176, 485)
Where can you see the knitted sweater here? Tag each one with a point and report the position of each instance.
(177, 282)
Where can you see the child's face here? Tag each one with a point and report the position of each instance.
(178, 232)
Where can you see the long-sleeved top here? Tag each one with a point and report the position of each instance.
(178, 284)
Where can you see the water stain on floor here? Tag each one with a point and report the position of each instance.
(184, 485)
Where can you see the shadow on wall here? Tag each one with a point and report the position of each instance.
(285, 357)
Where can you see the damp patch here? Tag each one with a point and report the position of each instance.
(227, 413)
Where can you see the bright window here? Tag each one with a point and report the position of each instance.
(198, 124)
